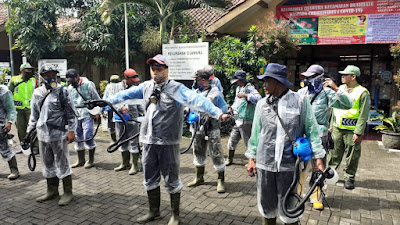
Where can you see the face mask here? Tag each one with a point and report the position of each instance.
(200, 87)
(50, 83)
(28, 74)
(158, 78)
(315, 85)
(71, 81)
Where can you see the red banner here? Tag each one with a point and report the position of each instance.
(338, 9)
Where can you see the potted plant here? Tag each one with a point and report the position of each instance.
(390, 128)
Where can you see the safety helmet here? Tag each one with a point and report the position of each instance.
(25, 66)
(47, 68)
(71, 73)
(303, 149)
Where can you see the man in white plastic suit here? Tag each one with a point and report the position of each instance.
(8, 115)
(270, 149)
(246, 98)
(54, 118)
(322, 99)
(132, 109)
(161, 132)
(82, 89)
(210, 136)
(112, 88)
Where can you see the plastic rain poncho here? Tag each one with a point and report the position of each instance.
(135, 108)
(269, 144)
(163, 120)
(53, 115)
(323, 103)
(244, 107)
(8, 113)
(89, 92)
(51, 111)
(213, 133)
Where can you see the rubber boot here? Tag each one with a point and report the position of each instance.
(295, 223)
(316, 199)
(154, 206)
(125, 162)
(229, 160)
(89, 163)
(221, 182)
(67, 196)
(266, 221)
(52, 190)
(113, 137)
(81, 159)
(12, 163)
(134, 168)
(175, 200)
(199, 178)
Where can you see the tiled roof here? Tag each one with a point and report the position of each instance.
(206, 17)
(3, 14)
(69, 24)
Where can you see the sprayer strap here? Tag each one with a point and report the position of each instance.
(284, 127)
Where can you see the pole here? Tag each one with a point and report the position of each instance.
(126, 39)
(10, 45)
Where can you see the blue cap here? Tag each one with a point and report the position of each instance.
(276, 71)
(239, 75)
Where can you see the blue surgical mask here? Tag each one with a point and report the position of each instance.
(200, 86)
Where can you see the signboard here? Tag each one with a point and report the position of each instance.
(185, 59)
(4, 65)
(350, 22)
(60, 64)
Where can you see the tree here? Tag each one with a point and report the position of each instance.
(162, 9)
(103, 43)
(272, 39)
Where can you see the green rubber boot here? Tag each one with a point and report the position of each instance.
(67, 196)
(154, 206)
(52, 190)
(134, 168)
(221, 182)
(81, 159)
(89, 163)
(175, 201)
(271, 221)
(12, 163)
(125, 162)
(199, 178)
(229, 160)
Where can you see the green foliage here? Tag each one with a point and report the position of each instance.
(229, 54)
(391, 123)
(162, 9)
(105, 42)
(271, 38)
(34, 24)
(395, 50)
(150, 41)
(102, 87)
(5, 72)
(185, 31)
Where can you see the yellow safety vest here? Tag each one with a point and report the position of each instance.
(23, 92)
(347, 118)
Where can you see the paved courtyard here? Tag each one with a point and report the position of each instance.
(102, 196)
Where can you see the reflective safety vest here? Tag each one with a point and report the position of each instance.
(347, 118)
(23, 92)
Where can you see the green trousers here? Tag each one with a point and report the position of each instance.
(22, 122)
(343, 140)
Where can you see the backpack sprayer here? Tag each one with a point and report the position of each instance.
(199, 123)
(302, 149)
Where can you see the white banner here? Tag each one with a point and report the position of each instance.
(185, 59)
(60, 64)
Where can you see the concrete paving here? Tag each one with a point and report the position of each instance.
(102, 196)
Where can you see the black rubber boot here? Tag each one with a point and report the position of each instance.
(52, 190)
(125, 162)
(175, 201)
(229, 160)
(12, 163)
(81, 159)
(113, 137)
(271, 221)
(89, 163)
(154, 206)
(199, 178)
(67, 196)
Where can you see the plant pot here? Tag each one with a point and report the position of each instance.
(390, 139)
